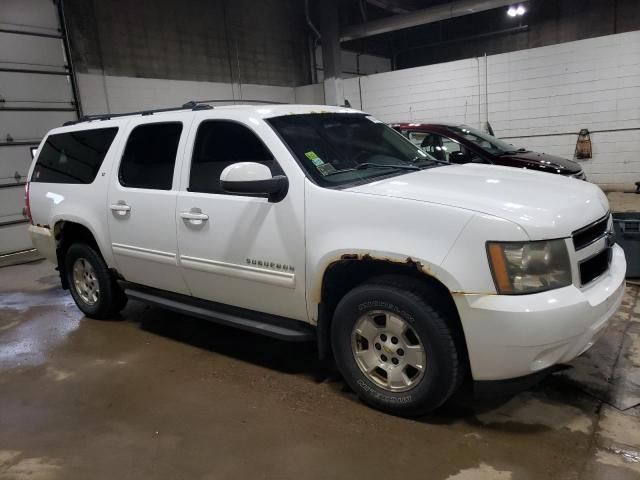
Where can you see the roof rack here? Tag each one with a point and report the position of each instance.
(191, 105)
(236, 101)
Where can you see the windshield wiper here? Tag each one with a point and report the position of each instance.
(433, 160)
(364, 166)
(513, 152)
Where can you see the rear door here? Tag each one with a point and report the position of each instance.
(142, 203)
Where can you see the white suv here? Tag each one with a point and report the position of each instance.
(315, 222)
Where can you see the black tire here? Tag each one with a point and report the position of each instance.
(443, 368)
(111, 299)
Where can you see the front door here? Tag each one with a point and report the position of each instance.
(239, 250)
(142, 205)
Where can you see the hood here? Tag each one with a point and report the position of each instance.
(541, 162)
(545, 206)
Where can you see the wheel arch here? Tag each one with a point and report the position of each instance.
(66, 233)
(350, 270)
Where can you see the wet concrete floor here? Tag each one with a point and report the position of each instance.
(154, 394)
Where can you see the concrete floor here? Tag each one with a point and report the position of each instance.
(158, 395)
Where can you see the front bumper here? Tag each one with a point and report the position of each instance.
(511, 336)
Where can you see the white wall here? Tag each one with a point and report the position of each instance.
(111, 94)
(310, 94)
(539, 98)
(592, 84)
(447, 92)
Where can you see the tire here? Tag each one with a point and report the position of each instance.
(424, 389)
(101, 303)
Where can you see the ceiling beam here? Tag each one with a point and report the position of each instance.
(456, 8)
(390, 6)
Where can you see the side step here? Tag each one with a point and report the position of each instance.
(263, 323)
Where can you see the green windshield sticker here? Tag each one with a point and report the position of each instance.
(311, 155)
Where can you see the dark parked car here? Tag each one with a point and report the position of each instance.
(463, 144)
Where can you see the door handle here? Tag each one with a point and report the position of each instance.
(194, 217)
(120, 208)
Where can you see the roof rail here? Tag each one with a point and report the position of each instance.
(236, 101)
(191, 105)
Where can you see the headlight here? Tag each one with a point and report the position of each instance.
(529, 267)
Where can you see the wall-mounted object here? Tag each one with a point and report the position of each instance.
(583, 145)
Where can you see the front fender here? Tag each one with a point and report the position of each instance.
(343, 223)
(421, 265)
(467, 260)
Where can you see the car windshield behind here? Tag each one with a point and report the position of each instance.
(484, 140)
(342, 148)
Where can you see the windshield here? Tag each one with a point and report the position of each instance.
(341, 148)
(484, 140)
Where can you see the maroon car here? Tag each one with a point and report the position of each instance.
(463, 144)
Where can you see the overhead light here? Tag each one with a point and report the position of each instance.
(516, 11)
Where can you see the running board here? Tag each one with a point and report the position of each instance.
(262, 323)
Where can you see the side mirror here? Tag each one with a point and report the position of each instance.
(250, 178)
(458, 157)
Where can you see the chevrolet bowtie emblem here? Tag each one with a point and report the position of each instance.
(611, 239)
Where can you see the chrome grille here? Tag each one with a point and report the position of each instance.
(587, 235)
(593, 249)
(595, 266)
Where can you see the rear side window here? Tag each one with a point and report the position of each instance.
(150, 156)
(219, 144)
(73, 157)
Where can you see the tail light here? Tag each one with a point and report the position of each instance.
(27, 207)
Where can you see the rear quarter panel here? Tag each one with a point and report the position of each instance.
(85, 204)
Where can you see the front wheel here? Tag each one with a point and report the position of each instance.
(394, 349)
(92, 286)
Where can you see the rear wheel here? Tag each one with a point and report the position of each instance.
(92, 286)
(394, 349)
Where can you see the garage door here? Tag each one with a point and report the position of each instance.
(37, 93)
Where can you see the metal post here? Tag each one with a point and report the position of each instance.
(331, 60)
(67, 53)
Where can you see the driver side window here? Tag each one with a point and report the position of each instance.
(220, 143)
